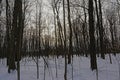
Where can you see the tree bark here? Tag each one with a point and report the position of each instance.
(92, 37)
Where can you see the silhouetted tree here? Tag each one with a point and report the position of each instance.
(92, 37)
(70, 33)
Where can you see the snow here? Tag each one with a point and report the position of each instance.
(78, 70)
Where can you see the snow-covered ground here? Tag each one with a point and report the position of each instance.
(79, 70)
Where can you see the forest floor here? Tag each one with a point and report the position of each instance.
(53, 69)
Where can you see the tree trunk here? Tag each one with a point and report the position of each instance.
(101, 30)
(70, 34)
(65, 73)
(8, 25)
(0, 6)
(92, 37)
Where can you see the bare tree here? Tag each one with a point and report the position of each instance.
(70, 33)
(100, 26)
(16, 38)
(92, 37)
(65, 50)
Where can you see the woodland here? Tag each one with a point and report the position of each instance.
(58, 28)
